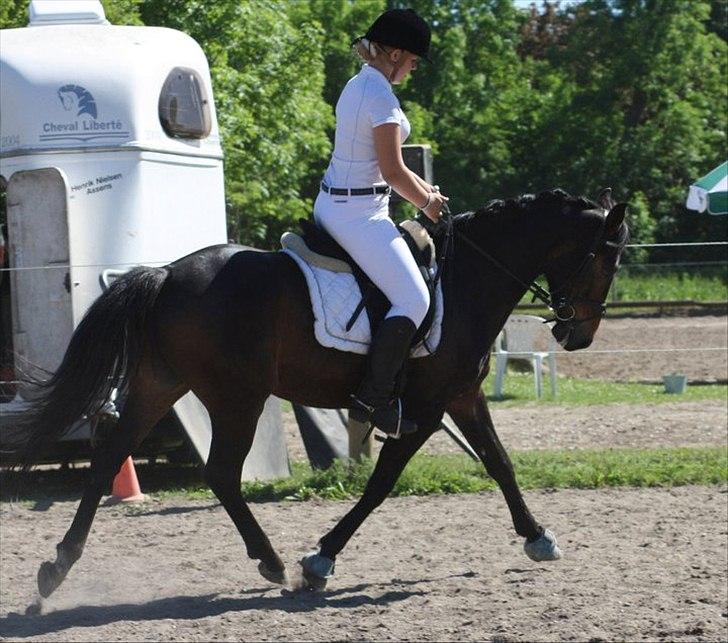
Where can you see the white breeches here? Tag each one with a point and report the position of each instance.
(361, 225)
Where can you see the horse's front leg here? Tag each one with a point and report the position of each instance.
(318, 566)
(470, 413)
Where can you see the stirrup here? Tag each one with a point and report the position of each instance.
(363, 412)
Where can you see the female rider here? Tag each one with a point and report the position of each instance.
(353, 203)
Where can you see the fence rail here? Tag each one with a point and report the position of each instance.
(685, 244)
(652, 303)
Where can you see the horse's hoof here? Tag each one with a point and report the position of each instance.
(34, 608)
(279, 577)
(49, 578)
(317, 570)
(543, 548)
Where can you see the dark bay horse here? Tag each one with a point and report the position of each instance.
(235, 326)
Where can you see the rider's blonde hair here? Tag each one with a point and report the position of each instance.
(368, 50)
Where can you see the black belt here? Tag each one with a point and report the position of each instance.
(381, 189)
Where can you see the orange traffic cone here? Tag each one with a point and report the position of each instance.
(126, 486)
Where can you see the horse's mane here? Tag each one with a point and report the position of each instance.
(527, 203)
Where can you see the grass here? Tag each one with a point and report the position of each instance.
(444, 474)
(636, 283)
(646, 283)
(426, 474)
(518, 389)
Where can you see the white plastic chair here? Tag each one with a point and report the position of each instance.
(525, 336)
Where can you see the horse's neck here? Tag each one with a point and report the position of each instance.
(488, 294)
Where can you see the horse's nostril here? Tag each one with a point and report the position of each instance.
(577, 343)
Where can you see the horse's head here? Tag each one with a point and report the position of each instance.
(75, 96)
(68, 99)
(581, 268)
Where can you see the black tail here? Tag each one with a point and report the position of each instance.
(103, 354)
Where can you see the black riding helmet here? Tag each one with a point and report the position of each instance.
(402, 29)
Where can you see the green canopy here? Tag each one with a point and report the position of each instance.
(711, 192)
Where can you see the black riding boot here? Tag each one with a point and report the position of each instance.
(373, 400)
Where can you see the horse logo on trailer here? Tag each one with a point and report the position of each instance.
(72, 96)
(81, 103)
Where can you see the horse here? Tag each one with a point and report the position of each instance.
(234, 325)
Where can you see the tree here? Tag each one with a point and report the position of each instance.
(627, 93)
(543, 30)
(718, 22)
(340, 21)
(475, 99)
(13, 14)
(648, 106)
(268, 80)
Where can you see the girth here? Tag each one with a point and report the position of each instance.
(374, 302)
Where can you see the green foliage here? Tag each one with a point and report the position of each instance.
(268, 80)
(641, 226)
(13, 14)
(627, 93)
(648, 108)
(477, 96)
(340, 21)
(122, 12)
(718, 23)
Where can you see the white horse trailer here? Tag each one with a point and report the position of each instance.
(110, 153)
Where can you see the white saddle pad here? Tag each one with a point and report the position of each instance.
(334, 298)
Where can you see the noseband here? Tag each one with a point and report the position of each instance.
(561, 303)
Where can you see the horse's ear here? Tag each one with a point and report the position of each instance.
(615, 217)
(605, 198)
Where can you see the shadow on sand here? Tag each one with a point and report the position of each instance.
(190, 608)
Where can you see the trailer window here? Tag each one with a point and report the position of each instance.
(184, 109)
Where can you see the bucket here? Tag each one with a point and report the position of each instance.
(675, 383)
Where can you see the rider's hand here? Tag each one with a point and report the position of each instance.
(433, 209)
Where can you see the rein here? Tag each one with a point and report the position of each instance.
(562, 305)
(538, 291)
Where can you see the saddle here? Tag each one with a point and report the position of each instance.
(318, 248)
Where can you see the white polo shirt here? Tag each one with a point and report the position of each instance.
(366, 102)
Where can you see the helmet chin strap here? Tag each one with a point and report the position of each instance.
(395, 68)
(395, 64)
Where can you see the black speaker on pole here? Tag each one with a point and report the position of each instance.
(417, 158)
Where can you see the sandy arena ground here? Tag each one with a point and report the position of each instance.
(694, 338)
(639, 564)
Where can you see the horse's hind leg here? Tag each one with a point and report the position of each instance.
(147, 402)
(233, 429)
(472, 417)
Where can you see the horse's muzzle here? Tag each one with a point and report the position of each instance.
(569, 338)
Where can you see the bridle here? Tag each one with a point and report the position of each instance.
(562, 303)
